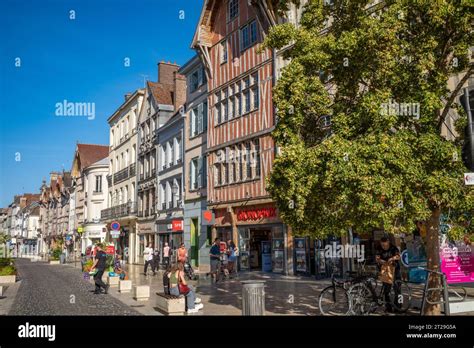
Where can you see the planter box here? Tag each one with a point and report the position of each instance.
(141, 292)
(54, 262)
(113, 281)
(7, 279)
(125, 285)
(170, 304)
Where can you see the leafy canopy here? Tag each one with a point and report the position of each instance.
(369, 167)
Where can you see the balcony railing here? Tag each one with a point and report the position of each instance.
(118, 211)
(109, 180)
(133, 169)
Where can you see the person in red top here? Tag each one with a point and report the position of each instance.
(182, 254)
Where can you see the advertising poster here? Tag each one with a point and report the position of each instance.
(278, 255)
(300, 255)
(457, 262)
(266, 256)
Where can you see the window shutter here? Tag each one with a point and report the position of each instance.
(200, 119)
(199, 179)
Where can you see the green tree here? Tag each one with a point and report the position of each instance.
(371, 167)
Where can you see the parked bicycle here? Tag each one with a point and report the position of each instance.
(334, 299)
(369, 295)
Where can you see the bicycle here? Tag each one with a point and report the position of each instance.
(368, 295)
(334, 299)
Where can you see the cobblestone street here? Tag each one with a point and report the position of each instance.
(59, 290)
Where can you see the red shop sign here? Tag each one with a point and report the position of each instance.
(177, 225)
(256, 214)
(110, 250)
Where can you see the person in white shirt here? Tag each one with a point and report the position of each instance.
(148, 256)
(166, 255)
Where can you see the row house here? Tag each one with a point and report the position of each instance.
(18, 229)
(196, 222)
(121, 179)
(161, 103)
(240, 149)
(30, 227)
(88, 196)
(54, 210)
(161, 198)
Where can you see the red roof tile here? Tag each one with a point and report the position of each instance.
(162, 93)
(89, 153)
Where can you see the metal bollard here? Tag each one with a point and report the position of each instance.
(253, 297)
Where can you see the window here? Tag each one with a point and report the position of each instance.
(255, 100)
(217, 175)
(198, 122)
(256, 157)
(197, 79)
(233, 9)
(169, 154)
(178, 145)
(248, 35)
(246, 96)
(248, 162)
(223, 52)
(162, 157)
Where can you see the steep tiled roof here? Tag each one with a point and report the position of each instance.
(90, 153)
(162, 93)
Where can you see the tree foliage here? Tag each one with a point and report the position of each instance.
(370, 167)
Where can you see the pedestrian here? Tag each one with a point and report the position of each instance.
(100, 264)
(166, 280)
(166, 255)
(232, 256)
(156, 261)
(215, 255)
(387, 258)
(148, 257)
(182, 254)
(178, 286)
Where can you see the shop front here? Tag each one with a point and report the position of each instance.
(146, 236)
(171, 232)
(261, 237)
(92, 235)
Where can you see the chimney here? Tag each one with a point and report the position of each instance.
(179, 90)
(23, 202)
(166, 72)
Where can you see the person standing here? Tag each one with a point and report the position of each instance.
(182, 254)
(166, 255)
(215, 256)
(148, 257)
(388, 256)
(156, 261)
(100, 263)
(232, 256)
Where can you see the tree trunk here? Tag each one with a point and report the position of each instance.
(433, 262)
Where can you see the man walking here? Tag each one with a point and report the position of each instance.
(156, 261)
(148, 255)
(100, 263)
(215, 256)
(166, 255)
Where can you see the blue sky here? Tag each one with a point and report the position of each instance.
(80, 60)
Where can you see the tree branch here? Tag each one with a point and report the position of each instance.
(453, 95)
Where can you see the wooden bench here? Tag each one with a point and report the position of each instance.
(170, 304)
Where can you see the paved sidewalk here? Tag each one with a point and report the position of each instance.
(284, 295)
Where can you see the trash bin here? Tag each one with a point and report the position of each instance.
(253, 297)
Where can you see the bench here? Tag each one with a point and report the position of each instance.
(170, 304)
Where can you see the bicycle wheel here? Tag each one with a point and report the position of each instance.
(361, 299)
(334, 300)
(400, 296)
